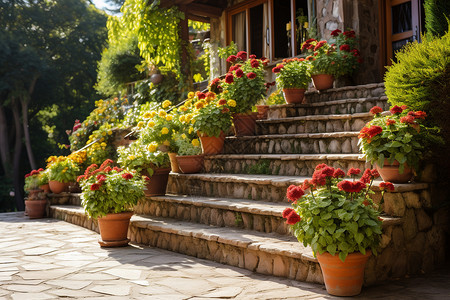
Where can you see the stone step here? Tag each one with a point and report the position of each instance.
(222, 212)
(271, 254)
(336, 107)
(372, 90)
(315, 124)
(280, 164)
(267, 188)
(300, 143)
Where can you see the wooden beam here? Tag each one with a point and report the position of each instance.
(204, 10)
(198, 18)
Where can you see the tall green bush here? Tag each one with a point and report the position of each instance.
(436, 14)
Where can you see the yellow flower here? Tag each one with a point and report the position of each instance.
(152, 147)
(104, 133)
(183, 108)
(103, 144)
(191, 95)
(165, 130)
(151, 123)
(140, 124)
(188, 118)
(109, 132)
(191, 129)
(131, 157)
(169, 117)
(193, 121)
(153, 113)
(162, 113)
(78, 134)
(188, 103)
(147, 115)
(231, 103)
(182, 118)
(166, 143)
(195, 142)
(166, 104)
(183, 136)
(199, 105)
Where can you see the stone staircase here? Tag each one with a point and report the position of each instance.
(232, 212)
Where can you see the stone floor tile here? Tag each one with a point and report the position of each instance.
(124, 273)
(27, 288)
(34, 296)
(50, 274)
(140, 282)
(225, 292)
(70, 284)
(39, 267)
(77, 294)
(39, 250)
(114, 290)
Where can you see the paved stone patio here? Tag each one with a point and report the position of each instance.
(47, 259)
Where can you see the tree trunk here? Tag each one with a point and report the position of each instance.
(24, 101)
(18, 188)
(4, 144)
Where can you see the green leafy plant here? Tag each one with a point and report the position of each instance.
(62, 169)
(276, 98)
(32, 180)
(244, 82)
(437, 13)
(141, 157)
(335, 215)
(109, 190)
(337, 59)
(43, 177)
(187, 145)
(225, 52)
(396, 136)
(210, 115)
(292, 73)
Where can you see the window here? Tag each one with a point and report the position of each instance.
(268, 28)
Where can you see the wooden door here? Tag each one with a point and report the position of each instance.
(403, 23)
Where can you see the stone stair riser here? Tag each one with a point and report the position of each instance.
(335, 108)
(234, 255)
(292, 145)
(213, 216)
(350, 92)
(313, 126)
(277, 167)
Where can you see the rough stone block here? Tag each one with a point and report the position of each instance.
(394, 204)
(251, 260)
(409, 224)
(265, 264)
(423, 220)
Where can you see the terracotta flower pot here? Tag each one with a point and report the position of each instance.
(45, 188)
(212, 144)
(157, 184)
(391, 172)
(173, 162)
(114, 229)
(35, 208)
(343, 278)
(244, 124)
(190, 163)
(57, 187)
(263, 110)
(294, 96)
(322, 81)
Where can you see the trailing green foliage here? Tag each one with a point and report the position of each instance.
(437, 13)
(168, 89)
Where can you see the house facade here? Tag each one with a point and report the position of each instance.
(276, 29)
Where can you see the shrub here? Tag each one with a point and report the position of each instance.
(436, 14)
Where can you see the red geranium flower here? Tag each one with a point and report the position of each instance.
(107, 169)
(307, 184)
(374, 130)
(390, 122)
(239, 73)
(396, 110)
(242, 55)
(117, 169)
(374, 173)
(293, 218)
(319, 179)
(294, 192)
(101, 178)
(229, 78)
(254, 63)
(95, 186)
(252, 56)
(127, 176)
(355, 52)
(222, 102)
(418, 114)
(407, 120)
(287, 211)
(231, 59)
(210, 95)
(353, 171)
(335, 32)
(338, 173)
(387, 185)
(225, 110)
(214, 81)
(376, 110)
(345, 47)
(349, 34)
(328, 171)
(200, 95)
(80, 178)
(251, 75)
(320, 166)
(366, 177)
(319, 45)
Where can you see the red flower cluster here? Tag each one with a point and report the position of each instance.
(376, 110)
(351, 186)
(319, 45)
(345, 48)
(291, 216)
(418, 114)
(353, 171)
(321, 174)
(335, 32)
(229, 78)
(34, 172)
(239, 73)
(368, 175)
(127, 176)
(370, 132)
(396, 110)
(307, 185)
(234, 68)
(210, 95)
(307, 44)
(200, 95)
(390, 122)
(294, 193)
(407, 119)
(349, 34)
(252, 56)
(387, 185)
(269, 84)
(225, 110)
(251, 75)
(222, 102)
(338, 173)
(254, 63)
(278, 68)
(95, 187)
(242, 55)
(231, 59)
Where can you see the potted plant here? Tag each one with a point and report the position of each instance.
(243, 86)
(293, 78)
(328, 61)
(43, 180)
(210, 119)
(149, 161)
(62, 171)
(108, 194)
(339, 221)
(392, 141)
(36, 202)
(190, 158)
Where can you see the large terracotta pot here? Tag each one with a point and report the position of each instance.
(244, 124)
(263, 110)
(322, 81)
(57, 187)
(294, 96)
(343, 278)
(157, 184)
(114, 229)
(212, 144)
(173, 162)
(391, 173)
(190, 163)
(35, 208)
